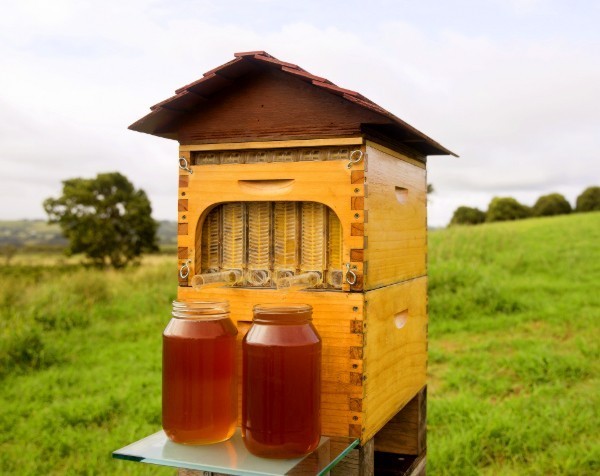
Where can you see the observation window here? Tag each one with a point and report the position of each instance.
(273, 244)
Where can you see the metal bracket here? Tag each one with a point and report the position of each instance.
(184, 271)
(350, 274)
(183, 165)
(354, 160)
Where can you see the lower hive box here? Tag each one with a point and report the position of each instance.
(374, 347)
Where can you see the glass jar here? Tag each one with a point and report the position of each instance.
(199, 394)
(281, 385)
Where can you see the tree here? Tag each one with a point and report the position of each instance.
(589, 200)
(467, 216)
(105, 218)
(506, 208)
(551, 204)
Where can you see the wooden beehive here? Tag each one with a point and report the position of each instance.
(282, 172)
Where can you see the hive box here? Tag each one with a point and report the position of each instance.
(284, 172)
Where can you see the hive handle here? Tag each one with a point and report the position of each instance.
(400, 318)
(266, 186)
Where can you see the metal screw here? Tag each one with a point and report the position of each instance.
(183, 217)
(355, 418)
(356, 190)
(356, 215)
(354, 366)
(355, 308)
(183, 194)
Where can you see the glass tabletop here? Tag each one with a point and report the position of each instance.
(231, 456)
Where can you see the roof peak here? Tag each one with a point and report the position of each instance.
(252, 53)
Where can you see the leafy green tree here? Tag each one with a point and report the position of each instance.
(589, 200)
(551, 204)
(105, 218)
(467, 216)
(506, 208)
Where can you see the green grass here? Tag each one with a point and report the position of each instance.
(514, 355)
(80, 357)
(514, 348)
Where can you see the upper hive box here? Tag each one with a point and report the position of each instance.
(284, 176)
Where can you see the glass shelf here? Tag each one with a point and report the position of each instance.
(231, 456)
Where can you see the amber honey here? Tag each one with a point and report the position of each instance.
(281, 400)
(199, 376)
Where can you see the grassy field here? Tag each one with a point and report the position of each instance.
(514, 348)
(80, 363)
(514, 369)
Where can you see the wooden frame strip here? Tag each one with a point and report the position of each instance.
(273, 144)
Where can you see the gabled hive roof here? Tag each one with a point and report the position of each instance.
(162, 119)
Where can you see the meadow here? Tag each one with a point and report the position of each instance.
(513, 367)
(514, 344)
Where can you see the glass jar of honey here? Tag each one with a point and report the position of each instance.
(199, 394)
(281, 385)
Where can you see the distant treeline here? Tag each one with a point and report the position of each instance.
(37, 236)
(508, 208)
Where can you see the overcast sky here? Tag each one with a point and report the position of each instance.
(512, 86)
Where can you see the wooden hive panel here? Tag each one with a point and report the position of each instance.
(335, 315)
(396, 229)
(395, 351)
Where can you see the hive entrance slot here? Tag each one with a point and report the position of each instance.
(273, 243)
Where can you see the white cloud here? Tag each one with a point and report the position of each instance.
(521, 112)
